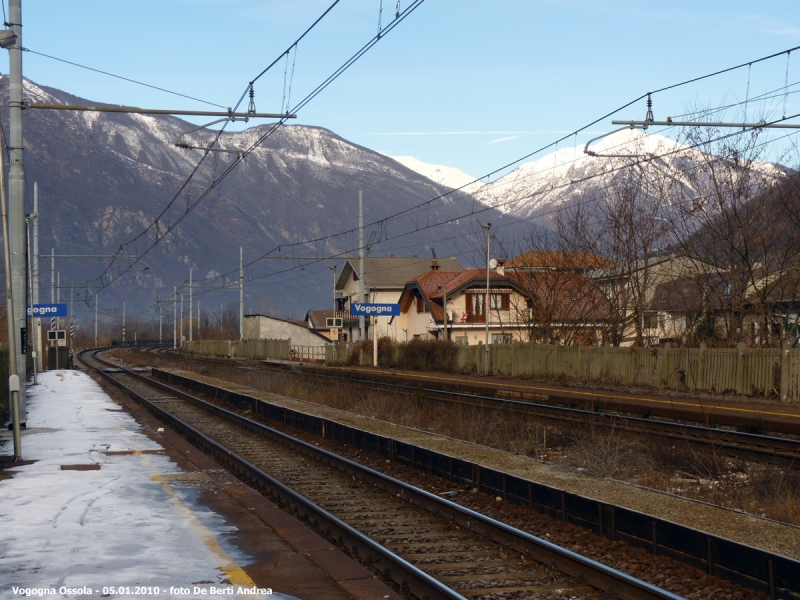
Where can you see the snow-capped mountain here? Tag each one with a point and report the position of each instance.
(449, 178)
(535, 189)
(104, 177)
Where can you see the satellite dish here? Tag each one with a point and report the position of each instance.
(492, 263)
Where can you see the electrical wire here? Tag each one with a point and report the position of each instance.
(104, 280)
(155, 87)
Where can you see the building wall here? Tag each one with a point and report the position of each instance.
(262, 327)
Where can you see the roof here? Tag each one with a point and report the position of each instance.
(557, 260)
(317, 319)
(392, 272)
(556, 295)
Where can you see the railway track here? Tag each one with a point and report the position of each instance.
(782, 451)
(430, 547)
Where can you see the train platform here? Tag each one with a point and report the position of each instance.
(110, 503)
(747, 413)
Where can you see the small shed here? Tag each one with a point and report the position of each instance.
(265, 327)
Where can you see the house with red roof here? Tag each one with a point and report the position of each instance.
(548, 306)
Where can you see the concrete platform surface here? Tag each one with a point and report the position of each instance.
(105, 511)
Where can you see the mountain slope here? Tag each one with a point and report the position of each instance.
(103, 177)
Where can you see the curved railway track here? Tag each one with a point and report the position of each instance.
(430, 547)
(782, 451)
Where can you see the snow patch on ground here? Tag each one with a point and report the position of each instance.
(117, 526)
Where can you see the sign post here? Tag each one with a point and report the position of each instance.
(374, 310)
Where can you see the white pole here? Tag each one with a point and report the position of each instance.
(190, 305)
(198, 319)
(241, 294)
(181, 320)
(96, 302)
(486, 310)
(35, 264)
(174, 317)
(361, 298)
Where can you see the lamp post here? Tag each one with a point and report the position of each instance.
(486, 312)
(333, 268)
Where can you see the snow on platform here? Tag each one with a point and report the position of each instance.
(110, 523)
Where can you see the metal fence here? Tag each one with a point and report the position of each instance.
(308, 353)
(274, 349)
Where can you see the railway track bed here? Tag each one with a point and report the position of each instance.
(676, 576)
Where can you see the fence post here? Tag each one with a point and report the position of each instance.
(740, 368)
(700, 378)
(785, 369)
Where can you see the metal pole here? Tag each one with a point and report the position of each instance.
(16, 193)
(159, 323)
(191, 302)
(32, 328)
(198, 319)
(35, 263)
(13, 379)
(334, 290)
(71, 316)
(444, 305)
(241, 294)
(181, 320)
(174, 317)
(374, 341)
(361, 320)
(486, 310)
(52, 274)
(58, 291)
(96, 302)
(123, 323)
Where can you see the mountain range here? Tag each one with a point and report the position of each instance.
(104, 177)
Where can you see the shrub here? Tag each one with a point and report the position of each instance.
(427, 355)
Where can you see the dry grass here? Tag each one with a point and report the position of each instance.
(673, 466)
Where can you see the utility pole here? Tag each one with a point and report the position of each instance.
(361, 320)
(34, 260)
(13, 379)
(96, 302)
(123, 323)
(159, 323)
(174, 317)
(16, 195)
(198, 319)
(181, 320)
(191, 302)
(32, 328)
(241, 294)
(486, 311)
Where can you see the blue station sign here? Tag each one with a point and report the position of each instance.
(48, 310)
(358, 309)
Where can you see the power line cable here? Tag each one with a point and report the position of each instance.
(155, 87)
(104, 279)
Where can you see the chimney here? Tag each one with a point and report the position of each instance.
(434, 265)
(500, 268)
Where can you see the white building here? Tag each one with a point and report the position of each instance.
(384, 281)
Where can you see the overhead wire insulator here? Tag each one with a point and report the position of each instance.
(649, 117)
(251, 108)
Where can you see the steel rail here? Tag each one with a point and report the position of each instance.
(754, 446)
(593, 573)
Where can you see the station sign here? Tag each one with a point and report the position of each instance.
(366, 309)
(48, 310)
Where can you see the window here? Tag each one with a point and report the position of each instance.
(651, 320)
(501, 338)
(475, 304)
(421, 308)
(499, 301)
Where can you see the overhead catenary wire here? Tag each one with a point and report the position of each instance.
(486, 208)
(155, 87)
(104, 279)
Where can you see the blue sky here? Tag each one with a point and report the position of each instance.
(474, 85)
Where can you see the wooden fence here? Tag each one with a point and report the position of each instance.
(748, 371)
(275, 349)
